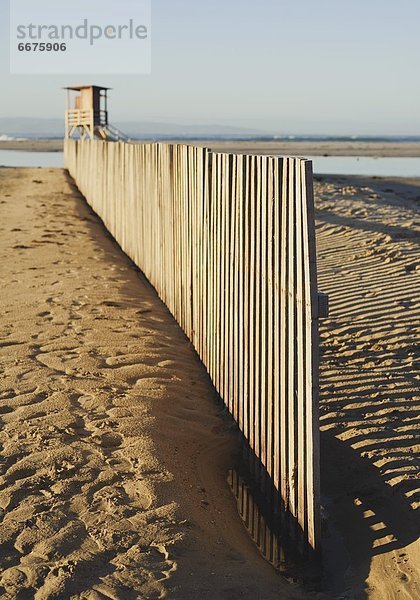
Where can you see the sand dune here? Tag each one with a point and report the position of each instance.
(114, 454)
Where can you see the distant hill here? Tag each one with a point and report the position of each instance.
(54, 128)
(24, 127)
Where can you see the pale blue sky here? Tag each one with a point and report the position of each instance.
(291, 66)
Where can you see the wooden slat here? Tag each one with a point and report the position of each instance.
(312, 359)
(232, 291)
(252, 318)
(284, 332)
(263, 312)
(300, 359)
(225, 300)
(270, 295)
(246, 297)
(277, 322)
(239, 286)
(257, 315)
(291, 340)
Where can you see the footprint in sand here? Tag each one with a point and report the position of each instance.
(124, 360)
(109, 440)
(53, 299)
(138, 493)
(70, 356)
(120, 465)
(45, 315)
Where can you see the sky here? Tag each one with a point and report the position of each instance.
(335, 67)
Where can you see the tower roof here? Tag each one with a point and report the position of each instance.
(78, 88)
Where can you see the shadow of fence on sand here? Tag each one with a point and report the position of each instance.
(368, 514)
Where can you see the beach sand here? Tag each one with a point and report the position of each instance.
(368, 263)
(114, 452)
(315, 148)
(32, 145)
(289, 148)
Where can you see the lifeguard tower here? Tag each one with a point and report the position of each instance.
(87, 114)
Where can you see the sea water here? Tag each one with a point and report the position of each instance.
(19, 158)
(333, 165)
(366, 165)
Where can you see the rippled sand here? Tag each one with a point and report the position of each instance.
(368, 235)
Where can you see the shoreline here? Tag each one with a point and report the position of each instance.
(369, 149)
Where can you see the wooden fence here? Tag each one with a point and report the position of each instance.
(228, 242)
